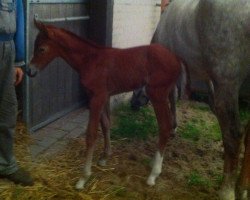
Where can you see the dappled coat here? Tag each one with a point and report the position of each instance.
(212, 37)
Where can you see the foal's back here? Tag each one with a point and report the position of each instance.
(127, 69)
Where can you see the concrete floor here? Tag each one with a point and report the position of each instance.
(54, 137)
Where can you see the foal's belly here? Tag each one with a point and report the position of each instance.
(125, 85)
(126, 81)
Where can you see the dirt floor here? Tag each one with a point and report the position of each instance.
(191, 171)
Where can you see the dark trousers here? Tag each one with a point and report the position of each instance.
(8, 108)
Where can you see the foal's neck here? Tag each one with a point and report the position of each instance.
(76, 51)
(75, 44)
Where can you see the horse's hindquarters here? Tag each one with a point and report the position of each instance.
(178, 33)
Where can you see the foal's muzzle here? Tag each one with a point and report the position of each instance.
(32, 71)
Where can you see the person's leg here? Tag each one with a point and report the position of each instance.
(8, 112)
(8, 105)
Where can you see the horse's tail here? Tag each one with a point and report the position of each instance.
(184, 82)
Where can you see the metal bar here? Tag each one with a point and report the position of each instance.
(57, 1)
(62, 19)
(136, 2)
(26, 88)
(56, 116)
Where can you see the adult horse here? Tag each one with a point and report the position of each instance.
(108, 71)
(212, 37)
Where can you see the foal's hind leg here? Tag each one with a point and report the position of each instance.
(158, 98)
(105, 125)
(96, 105)
(172, 100)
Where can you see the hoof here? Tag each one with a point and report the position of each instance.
(80, 184)
(102, 162)
(227, 194)
(151, 181)
(244, 195)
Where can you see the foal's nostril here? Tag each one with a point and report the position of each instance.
(31, 73)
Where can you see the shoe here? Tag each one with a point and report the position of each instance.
(21, 177)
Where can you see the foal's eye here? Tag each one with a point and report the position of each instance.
(41, 50)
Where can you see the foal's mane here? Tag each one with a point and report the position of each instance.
(78, 38)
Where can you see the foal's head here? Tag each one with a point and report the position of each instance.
(45, 49)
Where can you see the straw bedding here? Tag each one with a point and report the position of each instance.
(125, 175)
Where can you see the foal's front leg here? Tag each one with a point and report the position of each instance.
(96, 105)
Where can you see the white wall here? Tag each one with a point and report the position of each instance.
(134, 22)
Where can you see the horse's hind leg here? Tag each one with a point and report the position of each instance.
(96, 105)
(227, 112)
(158, 98)
(105, 125)
(244, 185)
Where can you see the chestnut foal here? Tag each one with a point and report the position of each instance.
(108, 71)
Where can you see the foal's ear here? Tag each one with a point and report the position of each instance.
(41, 27)
(48, 30)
